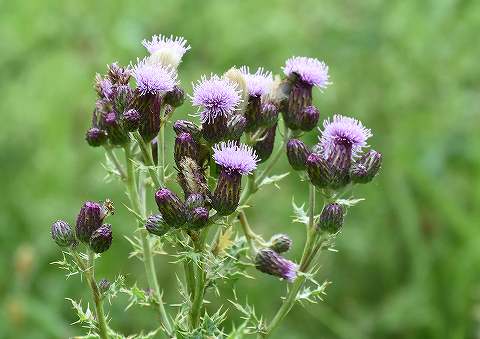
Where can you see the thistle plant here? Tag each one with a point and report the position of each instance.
(202, 195)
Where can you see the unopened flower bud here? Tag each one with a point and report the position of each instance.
(340, 160)
(270, 262)
(89, 219)
(366, 168)
(268, 115)
(131, 120)
(227, 192)
(101, 239)
(116, 132)
(118, 74)
(63, 234)
(155, 224)
(175, 97)
(236, 126)
(122, 98)
(185, 126)
(194, 200)
(96, 137)
(103, 87)
(185, 146)
(309, 118)
(104, 285)
(318, 170)
(331, 218)
(280, 243)
(171, 208)
(199, 217)
(252, 113)
(264, 147)
(215, 130)
(299, 98)
(297, 154)
(149, 106)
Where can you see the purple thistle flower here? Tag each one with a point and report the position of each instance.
(103, 86)
(153, 78)
(217, 95)
(270, 262)
(170, 49)
(258, 83)
(312, 71)
(237, 158)
(345, 131)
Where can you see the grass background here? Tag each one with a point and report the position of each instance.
(409, 257)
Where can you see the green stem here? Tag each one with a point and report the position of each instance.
(147, 255)
(113, 158)
(97, 297)
(249, 234)
(197, 304)
(161, 152)
(148, 159)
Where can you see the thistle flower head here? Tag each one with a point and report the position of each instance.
(310, 70)
(153, 78)
(258, 83)
(234, 157)
(270, 262)
(218, 96)
(166, 50)
(345, 131)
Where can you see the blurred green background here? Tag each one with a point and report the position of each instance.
(409, 257)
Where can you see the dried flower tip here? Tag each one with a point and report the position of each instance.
(297, 154)
(235, 158)
(62, 234)
(310, 70)
(152, 78)
(270, 262)
(367, 167)
(167, 51)
(331, 218)
(280, 243)
(101, 239)
(156, 225)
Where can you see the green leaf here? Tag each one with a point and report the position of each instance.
(300, 215)
(349, 202)
(274, 179)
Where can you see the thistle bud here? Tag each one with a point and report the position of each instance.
(194, 200)
(297, 154)
(185, 146)
(252, 113)
(264, 147)
(96, 137)
(172, 209)
(156, 225)
(89, 219)
(309, 118)
(199, 217)
(101, 239)
(215, 130)
(131, 120)
(366, 168)
(340, 160)
(175, 97)
(121, 97)
(118, 74)
(191, 178)
(63, 234)
(227, 192)
(280, 243)
(268, 115)
(270, 262)
(104, 285)
(185, 126)
(318, 170)
(236, 126)
(331, 218)
(103, 87)
(149, 106)
(116, 132)
(299, 98)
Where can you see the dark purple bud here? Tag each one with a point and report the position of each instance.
(185, 126)
(366, 168)
(122, 98)
(252, 112)
(268, 115)
(116, 133)
(199, 217)
(270, 262)
(149, 106)
(264, 147)
(309, 118)
(340, 160)
(88, 220)
(131, 120)
(155, 224)
(297, 154)
(96, 137)
(185, 146)
(176, 97)
(318, 170)
(280, 243)
(101, 239)
(171, 208)
(299, 98)
(194, 200)
(227, 192)
(236, 126)
(331, 218)
(63, 234)
(118, 74)
(104, 285)
(216, 130)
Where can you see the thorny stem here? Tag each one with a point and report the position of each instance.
(97, 297)
(200, 281)
(147, 255)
